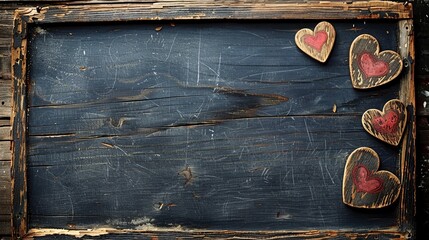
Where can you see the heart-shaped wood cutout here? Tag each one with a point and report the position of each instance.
(368, 66)
(387, 125)
(318, 43)
(364, 186)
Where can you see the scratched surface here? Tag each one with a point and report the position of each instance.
(215, 125)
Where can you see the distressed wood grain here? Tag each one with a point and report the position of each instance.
(5, 226)
(19, 216)
(6, 25)
(157, 233)
(5, 129)
(5, 98)
(408, 158)
(227, 119)
(232, 176)
(169, 10)
(5, 197)
(5, 188)
(5, 155)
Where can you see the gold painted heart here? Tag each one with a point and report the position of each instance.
(366, 187)
(387, 125)
(317, 44)
(368, 66)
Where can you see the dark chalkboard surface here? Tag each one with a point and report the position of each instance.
(213, 125)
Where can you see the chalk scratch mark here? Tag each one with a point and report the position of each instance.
(321, 216)
(254, 34)
(308, 132)
(321, 171)
(273, 72)
(145, 168)
(171, 48)
(311, 192)
(218, 69)
(198, 60)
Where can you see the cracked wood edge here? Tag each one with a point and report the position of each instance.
(213, 234)
(177, 10)
(407, 166)
(18, 119)
(19, 122)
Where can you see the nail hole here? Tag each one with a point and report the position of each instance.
(2, 103)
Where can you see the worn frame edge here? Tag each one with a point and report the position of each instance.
(19, 217)
(18, 162)
(408, 154)
(18, 119)
(244, 10)
(155, 233)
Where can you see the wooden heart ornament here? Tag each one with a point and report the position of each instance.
(318, 43)
(387, 125)
(368, 66)
(364, 186)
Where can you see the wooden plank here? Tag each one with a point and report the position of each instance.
(198, 168)
(170, 10)
(5, 197)
(5, 73)
(6, 25)
(175, 234)
(290, 73)
(408, 155)
(4, 187)
(5, 98)
(4, 44)
(223, 83)
(5, 130)
(5, 154)
(19, 130)
(4, 227)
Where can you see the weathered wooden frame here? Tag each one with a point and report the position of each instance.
(192, 10)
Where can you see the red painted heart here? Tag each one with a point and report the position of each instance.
(372, 67)
(364, 181)
(387, 124)
(368, 66)
(364, 185)
(317, 41)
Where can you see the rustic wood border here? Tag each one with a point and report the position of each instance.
(191, 10)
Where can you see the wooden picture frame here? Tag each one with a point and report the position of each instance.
(28, 18)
